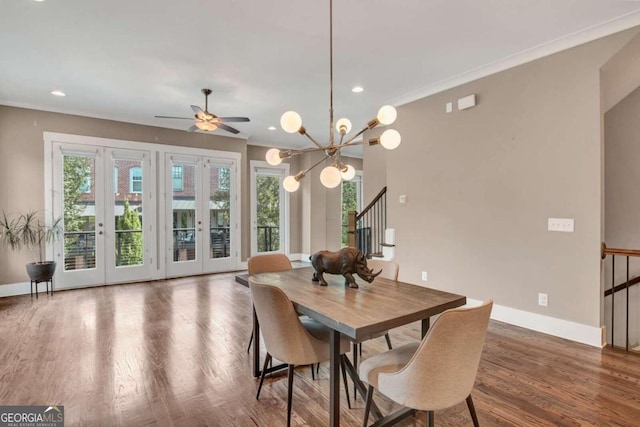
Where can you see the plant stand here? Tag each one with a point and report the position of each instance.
(41, 281)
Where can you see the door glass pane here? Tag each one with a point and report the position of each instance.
(351, 196)
(128, 213)
(184, 215)
(79, 212)
(219, 202)
(268, 212)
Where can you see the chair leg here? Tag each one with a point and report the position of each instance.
(264, 371)
(250, 341)
(354, 356)
(386, 336)
(367, 407)
(472, 411)
(313, 374)
(318, 368)
(344, 379)
(289, 394)
(430, 419)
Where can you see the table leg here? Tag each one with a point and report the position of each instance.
(425, 326)
(334, 379)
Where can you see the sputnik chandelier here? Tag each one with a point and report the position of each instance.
(336, 171)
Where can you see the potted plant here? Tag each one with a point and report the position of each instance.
(30, 230)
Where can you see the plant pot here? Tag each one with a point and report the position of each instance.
(41, 271)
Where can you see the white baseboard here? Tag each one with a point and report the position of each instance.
(567, 329)
(16, 289)
(299, 257)
(304, 257)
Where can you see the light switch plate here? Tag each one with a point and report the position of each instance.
(560, 224)
(403, 199)
(449, 107)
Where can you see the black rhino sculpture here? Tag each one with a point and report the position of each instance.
(347, 261)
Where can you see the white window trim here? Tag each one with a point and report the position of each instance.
(281, 168)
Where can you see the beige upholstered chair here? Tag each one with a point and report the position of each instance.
(267, 263)
(389, 270)
(290, 339)
(436, 373)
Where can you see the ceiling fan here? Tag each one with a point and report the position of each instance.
(206, 121)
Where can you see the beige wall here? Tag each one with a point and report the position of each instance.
(621, 74)
(481, 184)
(622, 175)
(22, 162)
(622, 204)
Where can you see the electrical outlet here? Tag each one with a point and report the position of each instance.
(424, 276)
(543, 300)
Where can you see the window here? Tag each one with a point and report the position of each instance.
(224, 177)
(115, 181)
(135, 180)
(351, 201)
(177, 175)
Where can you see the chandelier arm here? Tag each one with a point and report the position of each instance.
(331, 136)
(314, 141)
(306, 171)
(348, 141)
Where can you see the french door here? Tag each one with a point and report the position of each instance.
(269, 208)
(201, 211)
(105, 198)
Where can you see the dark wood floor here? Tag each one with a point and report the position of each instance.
(173, 353)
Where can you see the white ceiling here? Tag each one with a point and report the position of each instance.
(129, 60)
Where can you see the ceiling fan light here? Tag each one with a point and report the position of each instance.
(291, 122)
(387, 115)
(206, 126)
(330, 177)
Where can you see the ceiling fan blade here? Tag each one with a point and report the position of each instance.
(171, 117)
(228, 128)
(201, 114)
(192, 128)
(233, 119)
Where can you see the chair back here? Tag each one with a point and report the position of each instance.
(268, 263)
(389, 269)
(443, 370)
(284, 336)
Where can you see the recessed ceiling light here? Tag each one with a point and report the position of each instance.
(272, 128)
(357, 89)
(58, 93)
(39, 1)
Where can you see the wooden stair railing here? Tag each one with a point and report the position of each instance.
(623, 286)
(366, 229)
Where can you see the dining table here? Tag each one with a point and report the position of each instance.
(357, 313)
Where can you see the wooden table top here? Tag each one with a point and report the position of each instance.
(360, 313)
